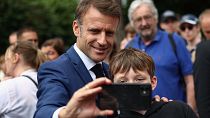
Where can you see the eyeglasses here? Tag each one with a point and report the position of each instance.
(184, 27)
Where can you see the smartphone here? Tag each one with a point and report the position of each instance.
(125, 96)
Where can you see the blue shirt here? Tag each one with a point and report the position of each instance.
(170, 67)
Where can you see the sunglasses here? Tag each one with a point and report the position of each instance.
(184, 27)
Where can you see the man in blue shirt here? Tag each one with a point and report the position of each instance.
(170, 65)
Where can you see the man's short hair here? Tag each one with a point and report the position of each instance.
(129, 58)
(23, 30)
(168, 14)
(106, 7)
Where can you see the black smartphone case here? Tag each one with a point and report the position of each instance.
(125, 96)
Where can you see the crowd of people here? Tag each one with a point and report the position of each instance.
(170, 52)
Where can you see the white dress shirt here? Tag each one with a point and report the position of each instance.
(18, 96)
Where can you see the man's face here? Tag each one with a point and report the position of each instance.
(170, 25)
(30, 36)
(189, 31)
(144, 21)
(205, 26)
(139, 77)
(95, 35)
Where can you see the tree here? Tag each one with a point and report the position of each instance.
(49, 17)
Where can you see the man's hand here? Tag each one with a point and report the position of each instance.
(82, 103)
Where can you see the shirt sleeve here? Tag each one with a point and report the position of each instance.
(55, 114)
(5, 93)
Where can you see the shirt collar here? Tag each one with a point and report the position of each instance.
(85, 59)
(157, 38)
(28, 71)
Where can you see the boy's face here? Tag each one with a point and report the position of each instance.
(141, 77)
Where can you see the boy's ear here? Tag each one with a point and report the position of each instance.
(153, 82)
(76, 28)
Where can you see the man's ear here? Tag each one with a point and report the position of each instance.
(153, 82)
(76, 28)
(15, 58)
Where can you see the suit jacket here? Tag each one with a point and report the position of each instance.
(202, 78)
(58, 80)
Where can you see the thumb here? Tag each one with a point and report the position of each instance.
(105, 113)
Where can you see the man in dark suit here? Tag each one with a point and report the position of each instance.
(202, 78)
(202, 67)
(95, 26)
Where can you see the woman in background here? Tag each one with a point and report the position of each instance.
(18, 95)
(53, 48)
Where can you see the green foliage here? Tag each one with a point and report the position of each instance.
(49, 17)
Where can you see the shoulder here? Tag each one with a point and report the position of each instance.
(178, 39)
(180, 108)
(173, 109)
(59, 64)
(134, 41)
(177, 104)
(9, 87)
(204, 46)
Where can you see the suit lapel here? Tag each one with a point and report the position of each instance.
(79, 66)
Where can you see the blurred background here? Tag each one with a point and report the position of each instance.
(53, 18)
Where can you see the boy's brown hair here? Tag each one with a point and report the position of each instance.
(129, 58)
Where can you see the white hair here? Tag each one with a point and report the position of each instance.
(137, 3)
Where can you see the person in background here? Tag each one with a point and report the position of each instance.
(53, 48)
(202, 67)
(171, 67)
(204, 20)
(3, 75)
(2, 67)
(169, 21)
(13, 38)
(190, 31)
(18, 95)
(129, 34)
(28, 34)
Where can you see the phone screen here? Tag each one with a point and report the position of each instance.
(125, 96)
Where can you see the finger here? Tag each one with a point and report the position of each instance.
(98, 82)
(105, 113)
(170, 100)
(164, 99)
(157, 98)
(91, 92)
